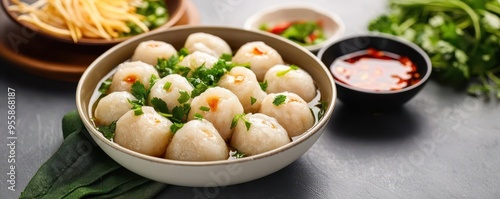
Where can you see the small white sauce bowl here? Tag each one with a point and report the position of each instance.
(333, 26)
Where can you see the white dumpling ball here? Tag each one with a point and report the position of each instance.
(148, 133)
(259, 55)
(128, 73)
(281, 78)
(243, 83)
(197, 140)
(197, 59)
(219, 106)
(291, 111)
(264, 134)
(112, 106)
(207, 43)
(169, 90)
(149, 51)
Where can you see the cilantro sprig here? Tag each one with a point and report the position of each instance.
(240, 117)
(108, 131)
(462, 38)
(279, 100)
(203, 78)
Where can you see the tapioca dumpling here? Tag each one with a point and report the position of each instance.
(128, 73)
(111, 107)
(259, 55)
(148, 133)
(243, 83)
(197, 59)
(197, 140)
(207, 43)
(222, 106)
(171, 93)
(281, 78)
(293, 114)
(264, 134)
(149, 51)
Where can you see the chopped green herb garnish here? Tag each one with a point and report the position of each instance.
(203, 78)
(179, 113)
(237, 117)
(167, 86)
(279, 100)
(155, 14)
(184, 97)
(137, 108)
(105, 86)
(159, 105)
(252, 100)
(198, 116)
(263, 85)
(322, 105)
(226, 57)
(140, 92)
(170, 66)
(301, 32)
(204, 108)
(108, 131)
(176, 126)
(152, 80)
(237, 154)
(183, 52)
(284, 72)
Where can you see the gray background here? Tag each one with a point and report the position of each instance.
(442, 144)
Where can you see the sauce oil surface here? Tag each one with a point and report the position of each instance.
(375, 70)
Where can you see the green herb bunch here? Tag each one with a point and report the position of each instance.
(462, 38)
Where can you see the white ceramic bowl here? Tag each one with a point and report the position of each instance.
(333, 26)
(211, 173)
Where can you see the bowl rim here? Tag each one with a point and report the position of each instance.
(321, 123)
(284, 7)
(386, 36)
(173, 19)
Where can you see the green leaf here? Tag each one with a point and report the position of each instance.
(140, 92)
(279, 100)
(159, 105)
(322, 105)
(179, 113)
(183, 52)
(170, 66)
(237, 117)
(176, 126)
(203, 78)
(226, 57)
(247, 124)
(105, 86)
(234, 122)
(252, 100)
(108, 131)
(184, 97)
(263, 85)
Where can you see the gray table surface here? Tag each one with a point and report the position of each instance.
(442, 144)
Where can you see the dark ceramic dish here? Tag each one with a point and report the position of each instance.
(377, 100)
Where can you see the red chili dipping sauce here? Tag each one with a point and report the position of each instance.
(375, 70)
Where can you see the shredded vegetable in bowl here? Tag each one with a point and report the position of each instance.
(106, 19)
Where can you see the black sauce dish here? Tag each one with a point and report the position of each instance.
(370, 99)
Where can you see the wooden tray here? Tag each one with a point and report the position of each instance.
(53, 59)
